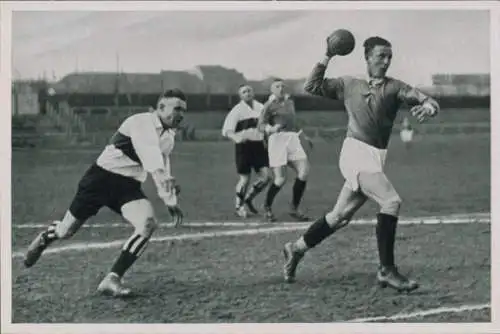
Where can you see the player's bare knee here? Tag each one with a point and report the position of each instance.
(391, 206)
(147, 228)
(279, 181)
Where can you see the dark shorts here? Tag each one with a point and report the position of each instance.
(251, 154)
(99, 188)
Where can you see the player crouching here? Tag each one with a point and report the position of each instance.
(141, 145)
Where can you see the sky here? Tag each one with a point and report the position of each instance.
(257, 43)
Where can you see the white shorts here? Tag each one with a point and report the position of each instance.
(357, 157)
(406, 135)
(284, 147)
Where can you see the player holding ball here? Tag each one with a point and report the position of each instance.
(372, 105)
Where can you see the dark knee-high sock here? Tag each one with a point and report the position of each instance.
(271, 194)
(386, 236)
(240, 196)
(317, 232)
(257, 188)
(131, 251)
(298, 191)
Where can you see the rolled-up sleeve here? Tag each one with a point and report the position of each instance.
(146, 143)
(411, 95)
(317, 84)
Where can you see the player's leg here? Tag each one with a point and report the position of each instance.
(263, 178)
(86, 203)
(302, 168)
(141, 215)
(348, 202)
(243, 168)
(241, 190)
(377, 187)
(277, 152)
(298, 160)
(260, 163)
(131, 203)
(279, 179)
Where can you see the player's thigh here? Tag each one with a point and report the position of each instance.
(378, 188)
(242, 159)
(295, 150)
(140, 214)
(277, 150)
(348, 203)
(90, 196)
(301, 167)
(260, 160)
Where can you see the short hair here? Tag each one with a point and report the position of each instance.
(175, 92)
(372, 42)
(244, 85)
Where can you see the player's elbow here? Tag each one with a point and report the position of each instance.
(310, 87)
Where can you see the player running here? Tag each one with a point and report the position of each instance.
(278, 121)
(141, 145)
(240, 126)
(371, 106)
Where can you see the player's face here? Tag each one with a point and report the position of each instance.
(246, 93)
(379, 60)
(278, 88)
(171, 111)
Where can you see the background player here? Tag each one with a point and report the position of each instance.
(371, 107)
(278, 121)
(240, 126)
(141, 145)
(406, 133)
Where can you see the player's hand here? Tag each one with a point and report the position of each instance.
(238, 139)
(272, 98)
(330, 46)
(422, 112)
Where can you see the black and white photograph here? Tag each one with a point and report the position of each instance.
(272, 163)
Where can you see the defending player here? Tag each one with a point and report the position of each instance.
(278, 121)
(141, 145)
(240, 126)
(371, 107)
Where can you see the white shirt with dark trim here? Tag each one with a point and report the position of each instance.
(141, 145)
(243, 120)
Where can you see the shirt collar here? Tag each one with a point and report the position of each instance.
(158, 123)
(375, 82)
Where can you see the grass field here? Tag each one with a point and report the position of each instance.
(237, 278)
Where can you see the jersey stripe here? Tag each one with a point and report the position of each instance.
(245, 124)
(124, 144)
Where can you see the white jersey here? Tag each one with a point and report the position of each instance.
(140, 145)
(243, 120)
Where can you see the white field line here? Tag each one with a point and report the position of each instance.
(424, 313)
(284, 227)
(448, 219)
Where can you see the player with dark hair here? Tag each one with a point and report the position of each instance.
(371, 105)
(241, 126)
(141, 145)
(278, 120)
